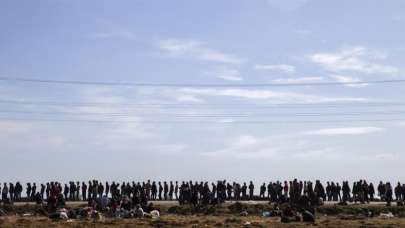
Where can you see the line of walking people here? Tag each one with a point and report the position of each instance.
(186, 192)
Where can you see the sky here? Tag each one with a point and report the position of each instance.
(262, 133)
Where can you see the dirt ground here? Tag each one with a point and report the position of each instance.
(199, 221)
(226, 215)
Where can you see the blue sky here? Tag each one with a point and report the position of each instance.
(202, 42)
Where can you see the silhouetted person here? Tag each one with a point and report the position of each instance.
(165, 189)
(262, 191)
(4, 193)
(346, 191)
(160, 190)
(171, 190)
(107, 188)
(28, 191)
(66, 191)
(371, 191)
(176, 190)
(251, 190)
(84, 191)
(42, 191)
(388, 193)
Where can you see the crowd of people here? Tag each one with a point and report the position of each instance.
(202, 192)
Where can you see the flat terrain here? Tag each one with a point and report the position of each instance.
(200, 221)
(226, 215)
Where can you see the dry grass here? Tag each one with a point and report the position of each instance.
(199, 221)
(221, 216)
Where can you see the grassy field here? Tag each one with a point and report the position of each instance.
(222, 216)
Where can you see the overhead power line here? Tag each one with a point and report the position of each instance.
(204, 115)
(205, 122)
(204, 105)
(140, 84)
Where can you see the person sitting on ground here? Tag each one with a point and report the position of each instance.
(38, 198)
(149, 208)
(126, 203)
(139, 213)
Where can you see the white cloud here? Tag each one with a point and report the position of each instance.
(283, 68)
(348, 79)
(388, 156)
(317, 154)
(179, 47)
(246, 147)
(129, 130)
(217, 56)
(298, 80)
(303, 32)
(398, 18)
(345, 131)
(187, 98)
(15, 127)
(56, 141)
(287, 6)
(168, 95)
(108, 35)
(229, 75)
(274, 147)
(169, 148)
(227, 120)
(33, 134)
(196, 49)
(270, 96)
(246, 140)
(355, 59)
